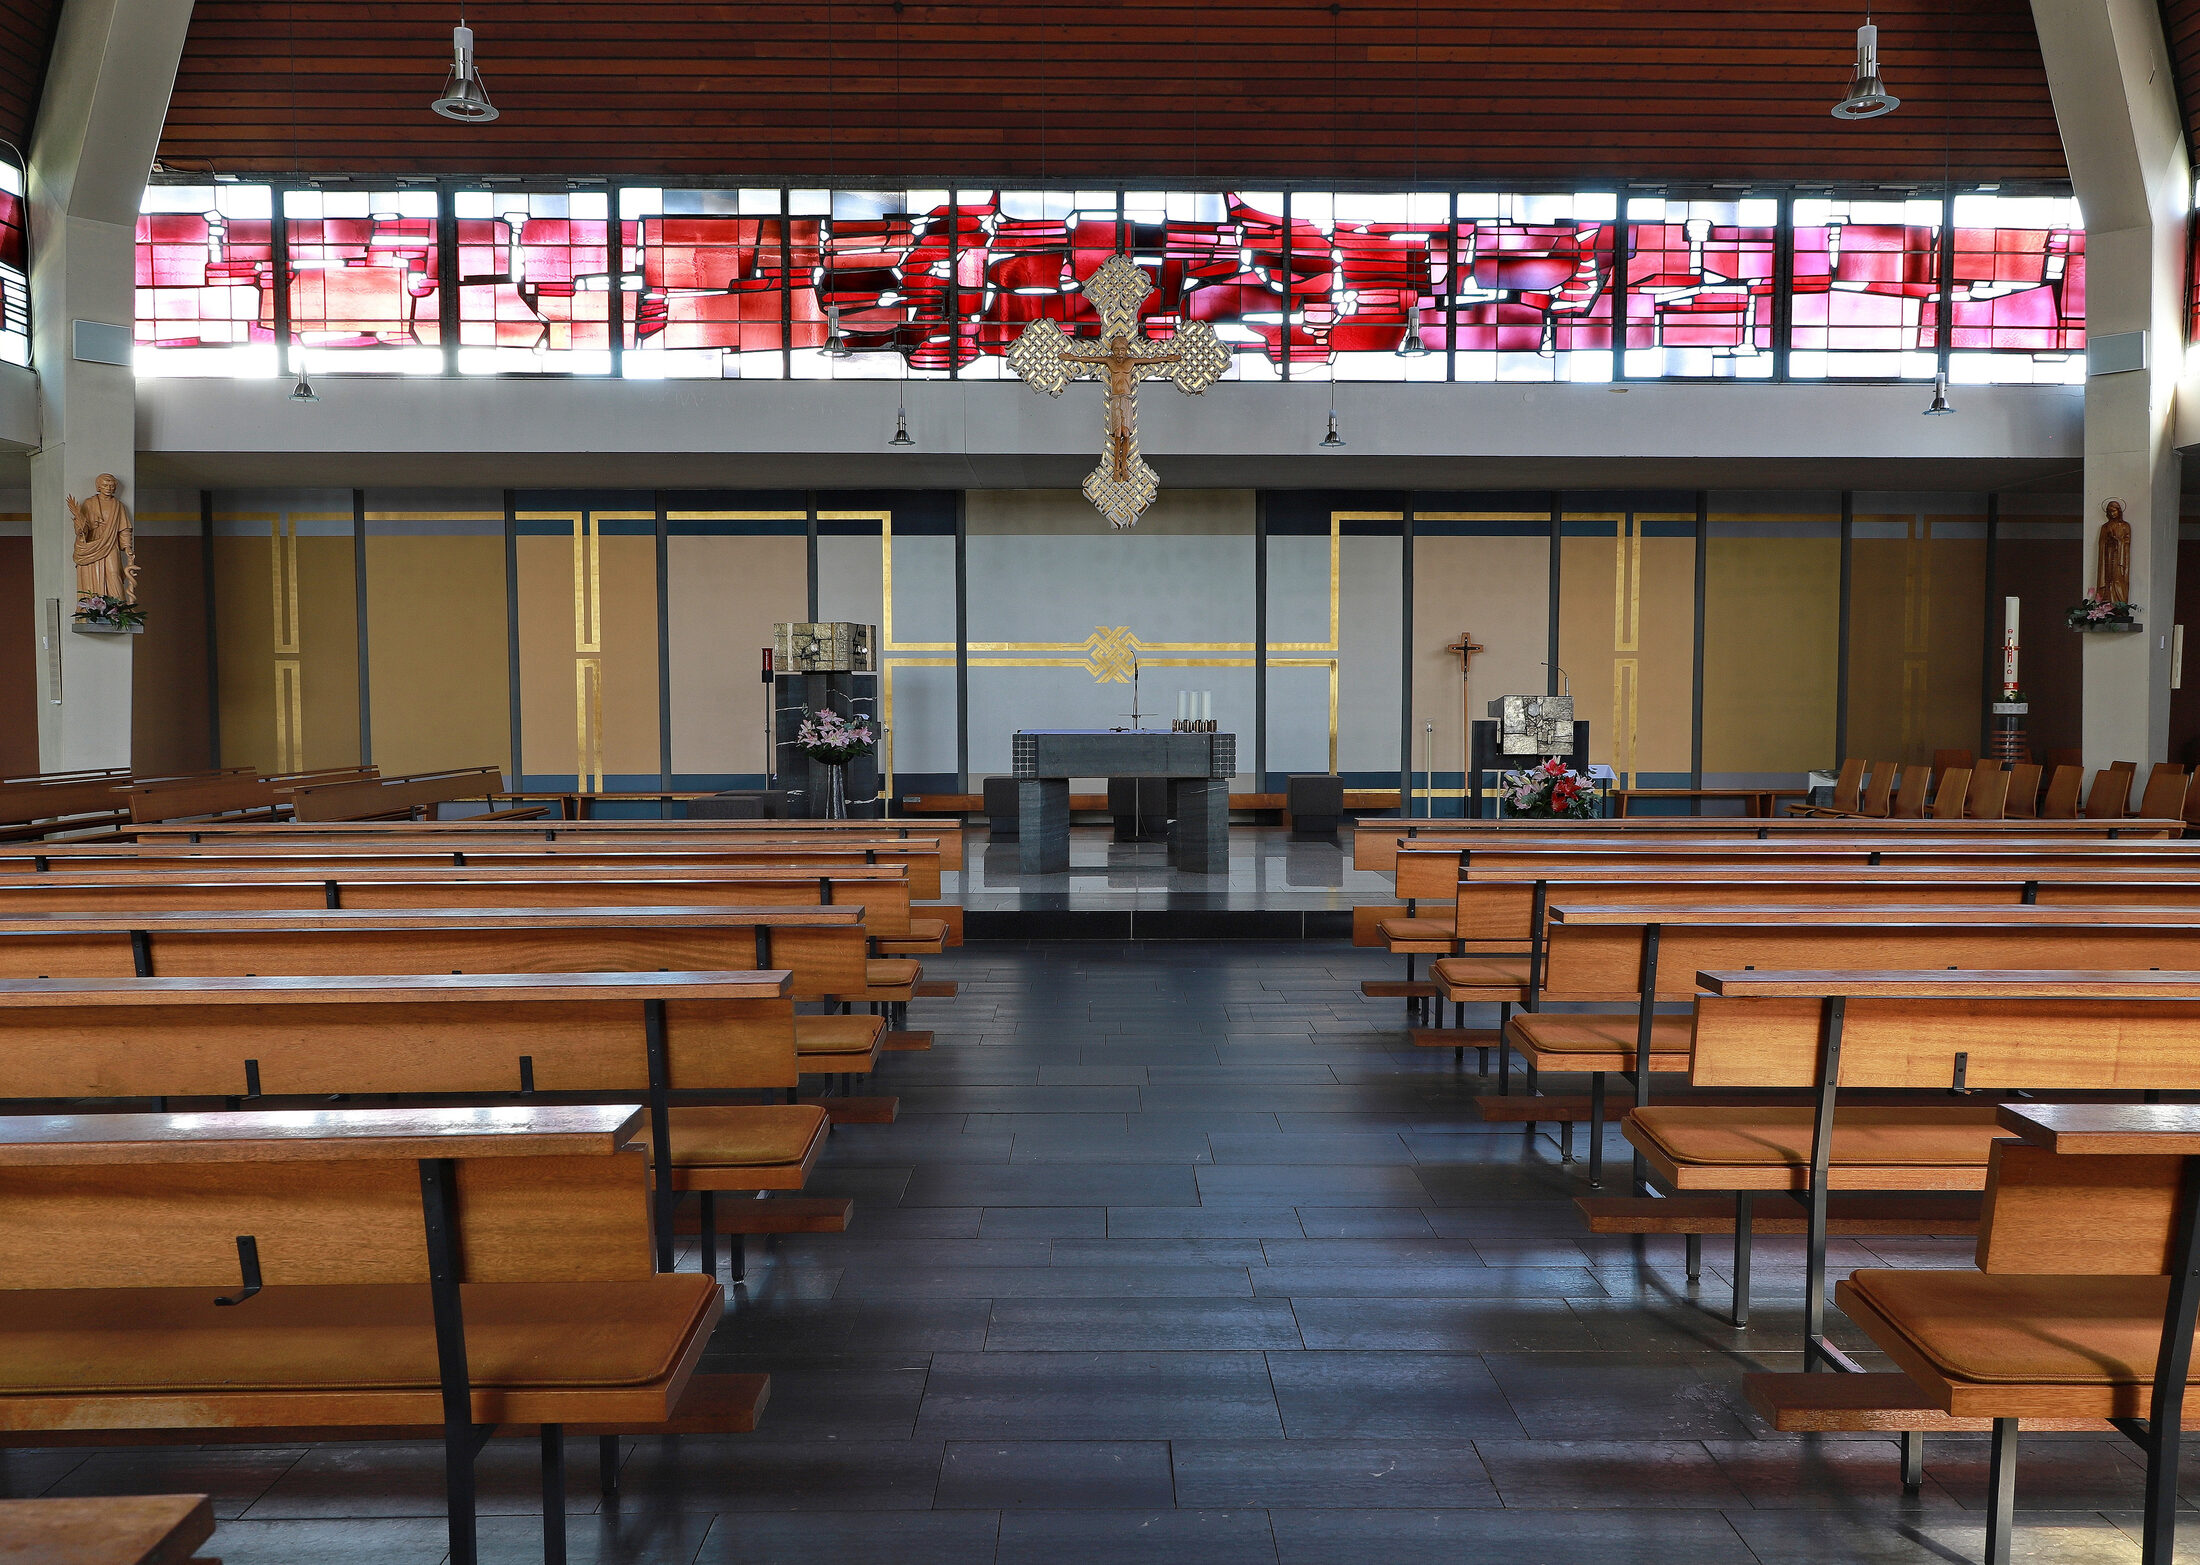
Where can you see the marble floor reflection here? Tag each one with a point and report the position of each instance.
(1268, 869)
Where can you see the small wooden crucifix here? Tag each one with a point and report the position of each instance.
(1466, 646)
(1048, 359)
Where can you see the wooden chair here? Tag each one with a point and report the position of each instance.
(1848, 788)
(1951, 761)
(2110, 797)
(1952, 795)
(1910, 797)
(2061, 800)
(1989, 796)
(2024, 792)
(1879, 792)
(135, 1529)
(2069, 757)
(2164, 799)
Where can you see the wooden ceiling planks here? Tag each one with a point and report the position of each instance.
(2181, 21)
(1229, 90)
(26, 39)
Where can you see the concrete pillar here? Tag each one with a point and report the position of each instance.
(99, 121)
(2116, 106)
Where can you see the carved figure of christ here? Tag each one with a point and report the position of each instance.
(1121, 367)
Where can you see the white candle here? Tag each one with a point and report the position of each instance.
(1206, 705)
(2009, 617)
(1180, 695)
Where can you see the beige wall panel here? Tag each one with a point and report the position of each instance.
(244, 642)
(436, 645)
(726, 593)
(1370, 596)
(1497, 588)
(567, 728)
(1772, 653)
(1627, 636)
(328, 632)
(1916, 657)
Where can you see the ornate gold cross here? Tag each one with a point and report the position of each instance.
(1048, 359)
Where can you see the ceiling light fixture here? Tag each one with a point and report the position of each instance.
(836, 345)
(303, 391)
(1332, 439)
(1867, 97)
(901, 422)
(1940, 396)
(464, 96)
(1412, 347)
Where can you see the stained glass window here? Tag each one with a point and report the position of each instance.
(709, 277)
(206, 281)
(1865, 301)
(1532, 295)
(2017, 306)
(1699, 287)
(15, 265)
(926, 283)
(364, 276)
(535, 279)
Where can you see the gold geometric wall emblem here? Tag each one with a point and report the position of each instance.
(1111, 654)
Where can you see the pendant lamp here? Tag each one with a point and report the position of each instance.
(464, 97)
(1867, 97)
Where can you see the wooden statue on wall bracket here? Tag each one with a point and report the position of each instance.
(106, 544)
(2112, 566)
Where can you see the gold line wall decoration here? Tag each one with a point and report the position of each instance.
(1627, 640)
(1917, 629)
(290, 739)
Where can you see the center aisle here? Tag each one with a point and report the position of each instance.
(1180, 1252)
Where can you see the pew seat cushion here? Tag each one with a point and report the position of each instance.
(891, 978)
(1600, 1042)
(367, 1337)
(2002, 1329)
(926, 936)
(1419, 931)
(746, 1135)
(852, 1034)
(1480, 972)
(1714, 1146)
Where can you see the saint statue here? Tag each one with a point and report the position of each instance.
(106, 547)
(2112, 568)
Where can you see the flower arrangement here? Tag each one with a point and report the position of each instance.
(2102, 614)
(108, 613)
(1550, 791)
(827, 736)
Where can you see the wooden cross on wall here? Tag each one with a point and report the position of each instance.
(1466, 646)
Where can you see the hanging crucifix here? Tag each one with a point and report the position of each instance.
(1048, 359)
(1466, 646)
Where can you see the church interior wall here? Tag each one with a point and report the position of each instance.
(18, 638)
(632, 658)
(1771, 637)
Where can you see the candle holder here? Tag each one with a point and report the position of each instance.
(1193, 725)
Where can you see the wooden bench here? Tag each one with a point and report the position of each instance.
(127, 1529)
(682, 1043)
(434, 1268)
(1931, 1033)
(361, 798)
(948, 834)
(2080, 1312)
(821, 948)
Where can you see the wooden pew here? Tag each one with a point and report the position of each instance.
(366, 797)
(431, 1268)
(821, 948)
(132, 1529)
(946, 833)
(644, 1036)
(2081, 1309)
(216, 796)
(1375, 843)
(1932, 1033)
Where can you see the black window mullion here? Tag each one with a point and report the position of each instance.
(1619, 288)
(1289, 267)
(278, 240)
(446, 293)
(615, 255)
(1783, 287)
(1451, 287)
(786, 283)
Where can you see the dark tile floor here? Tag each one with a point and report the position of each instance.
(1181, 1252)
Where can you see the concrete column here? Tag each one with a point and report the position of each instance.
(99, 121)
(2116, 105)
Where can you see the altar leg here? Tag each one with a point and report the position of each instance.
(1199, 839)
(1042, 842)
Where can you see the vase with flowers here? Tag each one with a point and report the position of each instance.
(2098, 613)
(1551, 791)
(833, 741)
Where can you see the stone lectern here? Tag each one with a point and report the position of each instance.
(1198, 767)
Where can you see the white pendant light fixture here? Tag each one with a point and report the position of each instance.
(901, 410)
(464, 97)
(1413, 347)
(1867, 97)
(303, 391)
(1940, 396)
(836, 345)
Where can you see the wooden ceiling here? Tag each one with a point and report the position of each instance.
(26, 38)
(2181, 21)
(1224, 90)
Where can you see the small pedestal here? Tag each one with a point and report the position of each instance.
(2006, 741)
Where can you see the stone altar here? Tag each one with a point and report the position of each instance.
(1198, 766)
